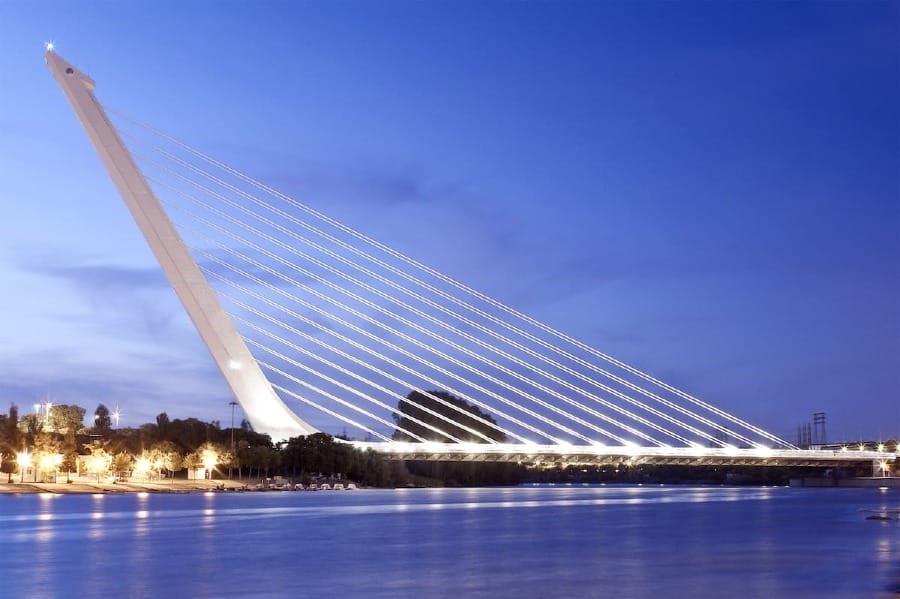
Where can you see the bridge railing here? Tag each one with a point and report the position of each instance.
(600, 453)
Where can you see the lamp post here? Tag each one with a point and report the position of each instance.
(232, 403)
(143, 465)
(209, 459)
(23, 458)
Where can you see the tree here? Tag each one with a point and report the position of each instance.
(464, 422)
(10, 436)
(415, 412)
(62, 418)
(45, 454)
(10, 441)
(102, 420)
(121, 463)
(192, 462)
(69, 450)
(322, 454)
(31, 425)
(188, 434)
(169, 457)
(162, 423)
(99, 460)
(210, 455)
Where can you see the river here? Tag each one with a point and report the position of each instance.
(556, 541)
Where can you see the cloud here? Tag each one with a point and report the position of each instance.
(99, 278)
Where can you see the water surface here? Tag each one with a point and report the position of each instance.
(591, 541)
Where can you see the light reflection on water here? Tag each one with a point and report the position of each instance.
(527, 541)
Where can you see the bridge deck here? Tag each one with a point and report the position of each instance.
(601, 455)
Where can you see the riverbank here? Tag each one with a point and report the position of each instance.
(88, 487)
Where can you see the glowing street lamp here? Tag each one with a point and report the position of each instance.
(46, 463)
(142, 465)
(23, 459)
(50, 462)
(209, 459)
(99, 464)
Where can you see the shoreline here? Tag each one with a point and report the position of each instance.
(82, 487)
(87, 487)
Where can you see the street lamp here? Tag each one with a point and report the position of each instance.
(209, 461)
(46, 462)
(99, 464)
(23, 459)
(232, 403)
(143, 465)
(50, 461)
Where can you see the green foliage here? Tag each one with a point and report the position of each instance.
(462, 416)
(62, 418)
(190, 433)
(69, 449)
(99, 459)
(419, 408)
(31, 425)
(162, 425)
(10, 440)
(168, 454)
(180, 443)
(121, 463)
(208, 455)
(102, 420)
(321, 453)
(469, 474)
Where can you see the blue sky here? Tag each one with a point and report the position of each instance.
(708, 191)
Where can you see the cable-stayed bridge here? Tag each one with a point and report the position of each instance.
(305, 315)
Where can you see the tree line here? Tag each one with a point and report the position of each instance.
(172, 446)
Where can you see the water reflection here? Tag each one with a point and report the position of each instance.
(532, 541)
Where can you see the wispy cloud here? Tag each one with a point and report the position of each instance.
(98, 278)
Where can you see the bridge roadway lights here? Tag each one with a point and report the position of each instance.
(611, 455)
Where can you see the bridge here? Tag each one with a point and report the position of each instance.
(299, 310)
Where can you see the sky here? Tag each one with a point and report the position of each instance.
(708, 191)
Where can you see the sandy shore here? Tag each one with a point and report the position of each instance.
(84, 486)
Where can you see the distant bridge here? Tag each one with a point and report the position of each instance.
(345, 326)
